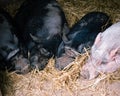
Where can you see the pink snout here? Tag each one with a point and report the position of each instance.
(89, 71)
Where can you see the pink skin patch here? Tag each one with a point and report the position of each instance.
(90, 71)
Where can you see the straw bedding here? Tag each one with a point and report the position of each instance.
(68, 82)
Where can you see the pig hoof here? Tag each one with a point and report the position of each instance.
(85, 74)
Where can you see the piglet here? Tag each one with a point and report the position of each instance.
(8, 40)
(41, 26)
(81, 36)
(105, 53)
(83, 33)
(9, 46)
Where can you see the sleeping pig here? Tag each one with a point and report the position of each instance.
(41, 26)
(9, 45)
(81, 35)
(105, 53)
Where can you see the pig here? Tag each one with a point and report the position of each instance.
(9, 46)
(66, 58)
(41, 26)
(88, 26)
(22, 64)
(8, 42)
(82, 35)
(105, 53)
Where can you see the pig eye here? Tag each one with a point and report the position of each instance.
(104, 62)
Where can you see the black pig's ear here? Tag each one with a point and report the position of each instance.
(36, 39)
(98, 39)
(61, 49)
(13, 53)
(15, 39)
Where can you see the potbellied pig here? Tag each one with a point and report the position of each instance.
(82, 35)
(9, 47)
(41, 24)
(105, 53)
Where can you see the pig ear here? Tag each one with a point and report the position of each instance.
(71, 51)
(98, 39)
(114, 52)
(36, 39)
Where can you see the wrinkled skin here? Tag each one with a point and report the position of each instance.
(105, 53)
(41, 23)
(83, 33)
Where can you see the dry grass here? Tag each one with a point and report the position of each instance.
(51, 82)
(76, 9)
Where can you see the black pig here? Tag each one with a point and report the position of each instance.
(9, 46)
(41, 24)
(83, 34)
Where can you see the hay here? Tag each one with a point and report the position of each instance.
(52, 82)
(76, 9)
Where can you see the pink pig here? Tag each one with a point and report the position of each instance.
(105, 53)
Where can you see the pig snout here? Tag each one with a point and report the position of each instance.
(39, 57)
(22, 65)
(63, 61)
(66, 57)
(95, 66)
(89, 71)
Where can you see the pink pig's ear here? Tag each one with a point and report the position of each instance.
(114, 52)
(98, 39)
